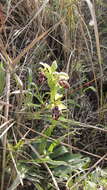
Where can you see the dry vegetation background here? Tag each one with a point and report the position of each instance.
(74, 34)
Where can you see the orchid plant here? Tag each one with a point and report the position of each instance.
(56, 81)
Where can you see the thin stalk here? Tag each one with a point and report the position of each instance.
(92, 11)
(6, 114)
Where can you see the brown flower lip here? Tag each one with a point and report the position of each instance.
(64, 84)
(56, 113)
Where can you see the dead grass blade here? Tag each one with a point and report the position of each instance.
(92, 11)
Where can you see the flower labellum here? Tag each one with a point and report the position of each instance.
(56, 113)
(64, 84)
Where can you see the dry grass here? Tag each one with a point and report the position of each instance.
(32, 31)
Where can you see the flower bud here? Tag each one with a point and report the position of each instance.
(41, 77)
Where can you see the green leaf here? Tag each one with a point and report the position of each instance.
(49, 130)
(90, 88)
(73, 161)
(69, 183)
(38, 187)
(52, 162)
(31, 105)
(62, 170)
(18, 146)
(52, 146)
(69, 157)
(59, 151)
(90, 185)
